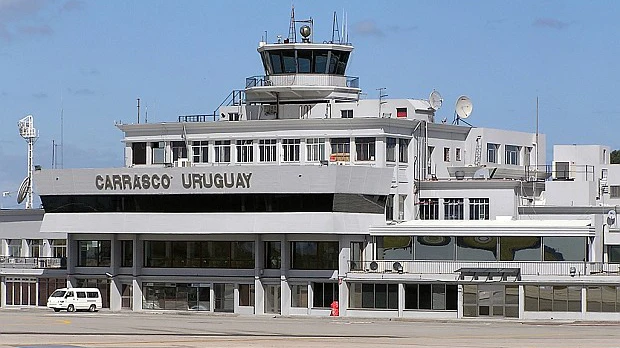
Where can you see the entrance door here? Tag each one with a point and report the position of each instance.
(224, 297)
(272, 299)
(21, 291)
(199, 298)
(491, 300)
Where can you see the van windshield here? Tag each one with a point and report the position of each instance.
(58, 293)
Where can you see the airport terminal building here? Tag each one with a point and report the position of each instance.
(297, 193)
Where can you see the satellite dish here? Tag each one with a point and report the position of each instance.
(435, 100)
(611, 218)
(463, 107)
(23, 190)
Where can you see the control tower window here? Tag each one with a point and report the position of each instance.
(276, 62)
(304, 61)
(320, 62)
(338, 62)
(288, 58)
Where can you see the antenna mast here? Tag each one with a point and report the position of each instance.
(28, 132)
(138, 109)
(335, 29)
(292, 33)
(381, 96)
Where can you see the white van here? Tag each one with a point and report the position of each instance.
(73, 299)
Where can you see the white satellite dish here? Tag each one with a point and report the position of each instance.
(463, 107)
(23, 190)
(611, 218)
(435, 100)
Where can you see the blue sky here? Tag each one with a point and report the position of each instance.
(92, 59)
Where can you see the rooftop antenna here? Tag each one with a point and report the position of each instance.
(138, 109)
(28, 132)
(462, 110)
(292, 33)
(335, 30)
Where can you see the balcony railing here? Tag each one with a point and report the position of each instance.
(32, 262)
(303, 80)
(551, 268)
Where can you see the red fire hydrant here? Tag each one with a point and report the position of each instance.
(335, 311)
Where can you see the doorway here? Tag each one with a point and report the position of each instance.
(224, 297)
(491, 300)
(272, 299)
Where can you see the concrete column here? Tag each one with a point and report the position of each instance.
(343, 268)
(2, 292)
(259, 266)
(584, 303)
(115, 284)
(521, 301)
(259, 296)
(380, 152)
(72, 259)
(459, 301)
(25, 249)
(401, 299)
(136, 303)
(46, 248)
(285, 265)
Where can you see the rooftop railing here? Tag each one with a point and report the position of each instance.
(302, 80)
(560, 172)
(32, 262)
(550, 268)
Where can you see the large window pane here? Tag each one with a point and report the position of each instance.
(593, 297)
(531, 298)
(560, 298)
(394, 248)
(434, 248)
(574, 299)
(608, 296)
(564, 248)
(545, 301)
(411, 296)
(476, 248)
(425, 296)
(439, 296)
(520, 248)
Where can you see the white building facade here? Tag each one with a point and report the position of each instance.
(298, 194)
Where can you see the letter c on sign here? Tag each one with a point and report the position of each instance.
(99, 182)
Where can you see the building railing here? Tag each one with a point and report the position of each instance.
(559, 173)
(550, 268)
(302, 80)
(32, 262)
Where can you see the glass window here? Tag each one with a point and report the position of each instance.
(324, 294)
(267, 149)
(614, 190)
(394, 248)
(478, 208)
(492, 153)
(373, 296)
(401, 207)
(315, 255)
(613, 253)
(390, 149)
(138, 151)
(179, 150)
(342, 63)
(453, 208)
(320, 62)
(299, 295)
(59, 247)
(288, 60)
(200, 150)
(457, 154)
(564, 248)
(403, 150)
(245, 151)
(246, 294)
(446, 154)
(126, 253)
(340, 149)
(273, 255)
(476, 248)
(401, 112)
(429, 209)
(222, 151)
(346, 113)
(531, 298)
(158, 152)
(434, 248)
(94, 253)
(304, 60)
(389, 208)
(290, 147)
(520, 248)
(276, 62)
(512, 154)
(333, 61)
(315, 149)
(594, 299)
(365, 149)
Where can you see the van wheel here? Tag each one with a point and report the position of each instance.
(56, 310)
(70, 308)
(92, 308)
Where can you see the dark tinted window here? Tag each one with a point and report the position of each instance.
(138, 153)
(276, 62)
(304, 60)
(320, 62)
(81, 294)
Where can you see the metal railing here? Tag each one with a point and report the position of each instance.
(32, 262)
(551, 268)
(302, 80)
(548, 172)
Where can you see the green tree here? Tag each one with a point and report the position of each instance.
(614, 157)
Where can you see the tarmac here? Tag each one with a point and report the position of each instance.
(45, 329)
